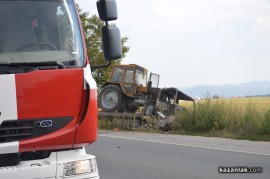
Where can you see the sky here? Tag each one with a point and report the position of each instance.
(195, 42)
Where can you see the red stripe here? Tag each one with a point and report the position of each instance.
(50, 93)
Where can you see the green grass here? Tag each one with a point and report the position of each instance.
(237, 118)
(233, 118)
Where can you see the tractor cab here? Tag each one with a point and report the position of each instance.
(133, 79)
(127, 88)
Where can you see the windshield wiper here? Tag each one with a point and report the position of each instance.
(41, 65)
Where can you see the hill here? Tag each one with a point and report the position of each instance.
(256, 88)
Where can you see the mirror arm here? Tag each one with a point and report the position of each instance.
(93, 68)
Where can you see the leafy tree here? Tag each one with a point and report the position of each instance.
(92, 32)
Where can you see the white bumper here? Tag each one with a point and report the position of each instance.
(49, 168)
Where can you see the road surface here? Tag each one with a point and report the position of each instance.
(128, 155)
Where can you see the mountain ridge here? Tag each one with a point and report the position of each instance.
(254, 88)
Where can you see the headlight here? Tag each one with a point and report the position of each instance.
(80, 167)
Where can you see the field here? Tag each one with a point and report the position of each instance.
(261, 103)
(245, 118)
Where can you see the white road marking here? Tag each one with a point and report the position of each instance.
(185, 145)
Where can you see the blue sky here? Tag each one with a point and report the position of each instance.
(195, 42)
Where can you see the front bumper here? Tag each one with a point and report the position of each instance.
(49, 168)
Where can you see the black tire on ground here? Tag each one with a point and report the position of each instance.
(111, 99)
(167, 128)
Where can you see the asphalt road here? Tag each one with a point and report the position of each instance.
(122, 155)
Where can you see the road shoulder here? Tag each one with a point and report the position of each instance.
(242, 146)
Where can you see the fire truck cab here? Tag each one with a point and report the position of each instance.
(48, 98)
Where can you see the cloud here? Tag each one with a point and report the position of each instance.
(260, 21)
(196, 32)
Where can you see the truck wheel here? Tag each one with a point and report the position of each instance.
(167, 128)
(111, 98)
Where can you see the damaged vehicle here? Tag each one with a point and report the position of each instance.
(164, 103)
(129, 88)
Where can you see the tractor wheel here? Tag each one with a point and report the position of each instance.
(111, 98)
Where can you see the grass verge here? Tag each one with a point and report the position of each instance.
(211, 118)
(222, 119)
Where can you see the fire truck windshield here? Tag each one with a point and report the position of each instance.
(40, 31)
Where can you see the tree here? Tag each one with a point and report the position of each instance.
(92, 32)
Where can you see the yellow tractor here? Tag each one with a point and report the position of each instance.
(128, 88)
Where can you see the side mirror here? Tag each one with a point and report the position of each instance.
(111, 39)
(111, 42)
(107, 10)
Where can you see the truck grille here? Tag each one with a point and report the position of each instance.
(26, 129)
(15, 130)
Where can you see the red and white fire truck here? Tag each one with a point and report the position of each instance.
(48, 98)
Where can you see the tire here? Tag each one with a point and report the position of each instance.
(167, 128)
(111, 99)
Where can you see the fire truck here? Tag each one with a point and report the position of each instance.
(48, 97)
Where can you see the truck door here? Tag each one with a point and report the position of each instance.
(141, 80)
(154, 78)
